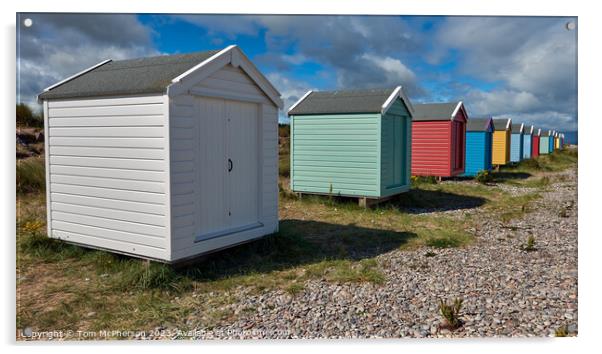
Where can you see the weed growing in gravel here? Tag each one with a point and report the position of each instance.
(451, 313)
(530, 245)
(561, 331)
(430, 254)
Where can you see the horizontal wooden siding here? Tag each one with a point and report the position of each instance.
(336, 154)
(107, 171)
(431, 155)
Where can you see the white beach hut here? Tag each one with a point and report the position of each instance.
(165, 158)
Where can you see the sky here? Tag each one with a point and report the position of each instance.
(524, 68)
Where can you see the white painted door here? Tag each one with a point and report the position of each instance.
(243, 154)
(228, 167)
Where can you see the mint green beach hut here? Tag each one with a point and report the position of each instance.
(354, 143)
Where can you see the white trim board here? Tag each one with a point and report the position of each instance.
(299, 101)
(230, 55)
(74, 76)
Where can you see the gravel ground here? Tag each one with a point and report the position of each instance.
(507, 291)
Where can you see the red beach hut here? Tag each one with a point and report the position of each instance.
(439, 139)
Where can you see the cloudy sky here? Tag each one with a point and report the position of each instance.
(524, 68)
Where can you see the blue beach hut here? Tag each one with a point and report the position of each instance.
(527, 137)
(516, 142)
(479, 136)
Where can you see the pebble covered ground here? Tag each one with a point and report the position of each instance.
(507, 291)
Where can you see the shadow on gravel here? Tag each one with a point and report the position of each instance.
(298, 242)
(420, 201)
(509, 176)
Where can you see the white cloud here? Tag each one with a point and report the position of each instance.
(391, 66)
(501, 102)
(291, 90)
(57, 46)
(344, 45)
(533, 62)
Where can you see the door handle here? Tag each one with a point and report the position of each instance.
(230, 165)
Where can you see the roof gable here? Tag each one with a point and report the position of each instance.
(154, 75)
(438, 111)
(132, 76)
(502, 124)
(349, 101)
(479, 125)
(518, 128)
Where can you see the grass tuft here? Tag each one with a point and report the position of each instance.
(561, 331)
(31, 175)
(530, 244)
(451, 313)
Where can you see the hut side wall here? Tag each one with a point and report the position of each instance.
(535, 146)
(500, 147)
(431, 148)
(108, 173)
(544, 145)
(336, 153)
(516, 147)
(478, 152)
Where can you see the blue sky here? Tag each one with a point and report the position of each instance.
(519, 67)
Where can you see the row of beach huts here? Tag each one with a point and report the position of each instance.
(367, 143)
(176, 156)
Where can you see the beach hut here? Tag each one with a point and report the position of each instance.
(544, 142)
(439, 139)
(535, 143)
(353, 143)
(502, 129)
(551, 141)
(164, 158)
(527, 138)
(479, 136)
(557, 141)
(516, 142)
(562, 141)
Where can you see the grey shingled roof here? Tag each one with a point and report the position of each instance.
(434, 111)
(343, 101)
(132, 76)
(516, 128)
(500, 123)
(477, 124)
(528, 129)
(545, 133)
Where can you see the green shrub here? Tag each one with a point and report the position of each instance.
(27, 118)
(31, 175)
(451, 313)
(284, 166)
(484, 177)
